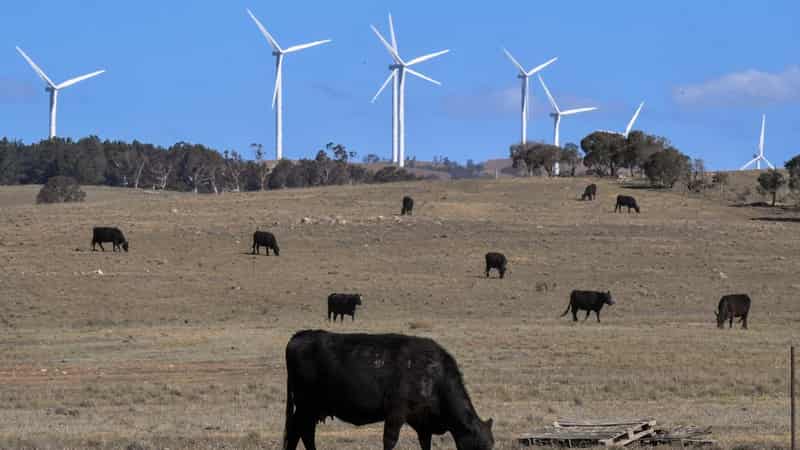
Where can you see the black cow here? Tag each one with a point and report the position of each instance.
(732, 306)
(497, 261)
(588, 301)
(267, 240)
(408, 206)
(369, 378)
(626, 200)
(590, 192)
(109, 234)
(341, 304)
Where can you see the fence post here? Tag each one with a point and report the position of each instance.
(792, 408)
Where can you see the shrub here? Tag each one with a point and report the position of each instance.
(60, 190)
(666, 167)
(770, 183)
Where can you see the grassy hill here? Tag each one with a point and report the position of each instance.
(180, 342)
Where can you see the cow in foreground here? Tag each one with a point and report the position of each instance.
(267, 240)
(109, 234)
(626, 200)
(590, 192)
(731, 307)
(341, 304)
(587, 301)
(369, 378)
(497, 261)
(408, 206)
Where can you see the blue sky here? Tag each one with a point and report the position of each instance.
(199, 71)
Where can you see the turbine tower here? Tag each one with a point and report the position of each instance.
(557, 114)
(277, 94)
(760, 155)
(53, 88)
(524, 76)
(398, 69)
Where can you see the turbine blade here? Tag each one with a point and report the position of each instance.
(541, 66)
(748, 163)
(278, 80)
(549, 95)
(297, 48)
(761, 139)
(514, 61)
(391, 34)
(391, 50)
(272, 42)
(426, 57)
(36, 69)
(768, 163)
(417, 74)
(69, 83)
(633, 119)
(383, 86)
(570, 112)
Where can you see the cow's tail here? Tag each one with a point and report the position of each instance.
(566, 310)
(289, 411)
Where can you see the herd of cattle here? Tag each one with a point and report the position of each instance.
(397, 379)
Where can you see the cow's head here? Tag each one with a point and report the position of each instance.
(721, 318)
(276, 250)
(608, 299)
(125, 246)
(358, 299)
(478, 437)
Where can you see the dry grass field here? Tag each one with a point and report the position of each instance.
(179, 343)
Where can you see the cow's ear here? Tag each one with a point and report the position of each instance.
(489, 423)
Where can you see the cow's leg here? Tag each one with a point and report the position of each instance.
(391, 432)
(597, 313)
(424, 439)
(502, 273)
(307, 428)
(487, 271)
(588, 311)
(254, 249)
(101, 246)
(730, 321)
(574, 314)
(353, 316)
(292, 437)
(744, 321)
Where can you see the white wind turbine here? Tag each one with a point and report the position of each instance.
(630, 124)
(524, 76)
(53, 88)
(760, 155)
(398, 75)
(277, 94)
(557, 114)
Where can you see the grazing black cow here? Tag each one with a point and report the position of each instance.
(267, 240)
(626, 200)
(341, 304)
(109, 234)
(590, 192)
(732, 306)
(408, 206)
(496, 261)
(369, 378)
(588, 301)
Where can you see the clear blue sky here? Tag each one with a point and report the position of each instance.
(199, 71)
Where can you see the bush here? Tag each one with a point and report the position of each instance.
(60, 190)
(769, 183)
(666, 167)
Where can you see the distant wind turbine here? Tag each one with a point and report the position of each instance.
(630, 124)
(524, 76)
(277, 94)
(53, 88)
(398, 75)
(760, 155)
(557, 114)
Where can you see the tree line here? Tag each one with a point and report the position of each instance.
(181, 167)
(605, 154)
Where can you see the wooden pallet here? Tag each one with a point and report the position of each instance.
(592, 433)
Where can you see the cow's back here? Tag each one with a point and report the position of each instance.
(734, 303)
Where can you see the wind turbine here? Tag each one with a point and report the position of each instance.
(398, 74)
(277, 94)
(53, 88)
(760, 155)
(524, 76)
(630, 124)
(557, 114)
